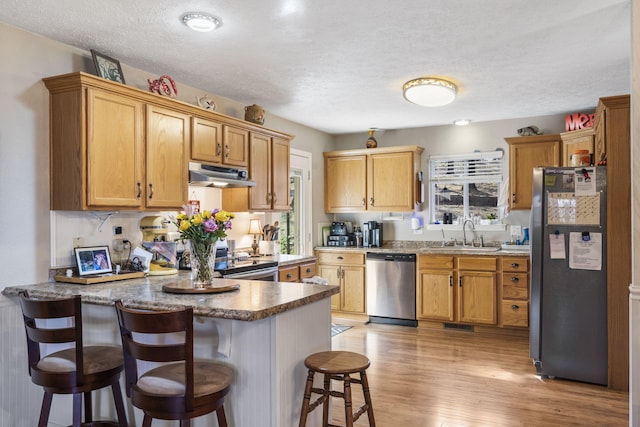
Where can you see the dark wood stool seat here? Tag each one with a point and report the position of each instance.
(178, 387)
(77, 370)
(337, 365)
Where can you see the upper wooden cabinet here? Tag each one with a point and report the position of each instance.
(269, 168)
(526, 153)
(214, 142)
(109, 149)
(378, 179)
(577, 140)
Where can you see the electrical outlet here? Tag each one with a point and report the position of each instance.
(516, 230)
(117, 230)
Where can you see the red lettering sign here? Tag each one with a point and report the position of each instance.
(577, 121)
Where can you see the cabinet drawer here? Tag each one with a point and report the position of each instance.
(341, 258)
(435, 261)
(515, 264)
(288, 274)
(480, 263)
(515, 313)
(515, 286)
(307, 270)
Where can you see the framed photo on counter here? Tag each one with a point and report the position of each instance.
(93, 260)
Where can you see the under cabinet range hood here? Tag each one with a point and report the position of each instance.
(204, 175)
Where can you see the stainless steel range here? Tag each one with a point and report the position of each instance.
(251, 269)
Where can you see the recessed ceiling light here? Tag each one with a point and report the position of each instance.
(202, 22)
(461, 122)
(429, 91)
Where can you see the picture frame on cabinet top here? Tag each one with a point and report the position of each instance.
(107, 67)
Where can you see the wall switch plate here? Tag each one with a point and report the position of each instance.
(516, 230)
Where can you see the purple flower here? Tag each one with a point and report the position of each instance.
(210, 225)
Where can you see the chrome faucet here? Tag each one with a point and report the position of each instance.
(444, 241)
(464, 231)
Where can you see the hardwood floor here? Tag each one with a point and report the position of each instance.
(446, 378)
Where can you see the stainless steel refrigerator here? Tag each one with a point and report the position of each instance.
(568, 311)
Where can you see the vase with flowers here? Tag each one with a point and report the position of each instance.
(202, 230)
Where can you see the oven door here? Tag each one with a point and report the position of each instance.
(265, 274)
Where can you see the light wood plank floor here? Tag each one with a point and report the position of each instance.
(446, 378)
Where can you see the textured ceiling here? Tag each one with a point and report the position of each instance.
(339, 66)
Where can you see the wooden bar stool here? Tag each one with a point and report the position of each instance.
(336, 365)
(179, 387)
(77, 370)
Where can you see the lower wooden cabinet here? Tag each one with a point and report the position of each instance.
(515, 292)
(474, 290)
(347, 270)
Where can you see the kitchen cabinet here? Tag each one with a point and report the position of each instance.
(296, 272)
(457, 289)
(269, 168)
(582, 139)
(346, 270)
(379, 179)
(214, 142)
(526, 153)
(514, 310)
(94, 121)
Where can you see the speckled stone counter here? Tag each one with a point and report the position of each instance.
(427, 247)
(254, 300)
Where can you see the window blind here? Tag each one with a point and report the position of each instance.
(474, 167)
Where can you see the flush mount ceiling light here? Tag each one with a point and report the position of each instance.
(461, 122)
(202, 22)
(429, 91)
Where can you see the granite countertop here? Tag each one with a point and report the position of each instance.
(254, 299)
(428, 247)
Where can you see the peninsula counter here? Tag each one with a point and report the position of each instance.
(264, 330)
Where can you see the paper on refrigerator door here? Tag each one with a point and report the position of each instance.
(556, 246)
(585, 251)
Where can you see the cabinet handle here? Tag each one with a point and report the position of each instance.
(513, 198)
(460, 281)
(514, 279)
(150, 190)
(226, 151)
(269, 197)
(364, 201)
(515, 307)
(308, 269)
(274, 197)
(139, 190)
(370, 201)
(451, 281)
(340, 257)
(218, 149)
(515, 265)
(289, 275)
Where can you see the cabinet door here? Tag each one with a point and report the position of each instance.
(167, 175)
(114, 131)
(477, 297)
(259, 171)
(332, 273)
(526, 153)
(206, 140)
(390, 181)
(353, 296)
(345, 188)
(236, 146)
(576, 140)
(280, 174)
(436, 295)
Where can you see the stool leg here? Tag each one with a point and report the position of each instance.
(88, 407)
(305, 401)
(222, 419)
(117, 398)
(327, 397)
(46, 408)
(146, 421)
(348, 408)
(367, 398)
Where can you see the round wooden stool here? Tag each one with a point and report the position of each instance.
(336, 365)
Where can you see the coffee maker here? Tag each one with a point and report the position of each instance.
(372, 234)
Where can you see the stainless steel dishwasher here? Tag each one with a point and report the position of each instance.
(391, 288)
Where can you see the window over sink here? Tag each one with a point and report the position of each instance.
(465, 186)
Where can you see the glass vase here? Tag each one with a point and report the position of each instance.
(202, 259)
